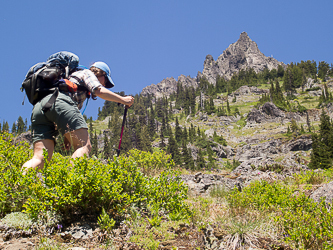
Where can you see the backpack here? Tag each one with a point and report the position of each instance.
(49, 77)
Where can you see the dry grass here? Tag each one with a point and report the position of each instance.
(245, 228)
(239, 228)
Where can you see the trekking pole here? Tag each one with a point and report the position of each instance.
(122, 130)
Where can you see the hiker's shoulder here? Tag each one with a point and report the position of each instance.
(82, 72)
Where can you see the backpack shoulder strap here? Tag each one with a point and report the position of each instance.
(50, 102)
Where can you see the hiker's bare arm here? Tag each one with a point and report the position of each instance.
(113, 97)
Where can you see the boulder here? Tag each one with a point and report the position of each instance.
(262, 150)
(324, 191)
(300, 144)
(246, 90)
(266, 113)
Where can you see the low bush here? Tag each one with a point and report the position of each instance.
(261, 195)
(85, 185)
(305, 224)
(311, 177)
(151, 163)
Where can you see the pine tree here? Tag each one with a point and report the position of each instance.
(94, 145)
(170, 112)
(280, 71)
(308, 122)
(191, 164)
(162, 142)
(25, 125)
(304, 81)
(116, 123)
(286, 83)
(198, 132)
(109, 123)
(168, 129)
(186, 156)
(322, 144)
(193, 104)
(272, 92)
(159, 108)
(126, 143)
(5, 126)
(211, 105)
(228, 107)
(191, 133)
(144, 140)
(14, 131)
(200, 160)
(210, 157)
(325, 129)
(185, 135)
(173, 150)
(178, 132)
(163, 127)
(323, 68)
(151, 125)
(294, 127)
(20, 125)
(91, 127)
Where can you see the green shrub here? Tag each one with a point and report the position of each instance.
(219, 139)
(261, 195)
(310, 177)
(12, 158)
(85, 185)
(233, 165)
(242, 122)
(307, 225)
(151, 163)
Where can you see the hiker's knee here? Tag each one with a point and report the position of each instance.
(88, 147)
(83, 149)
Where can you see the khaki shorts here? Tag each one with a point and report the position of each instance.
(63, 116)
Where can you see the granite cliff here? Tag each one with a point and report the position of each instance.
(242, 54)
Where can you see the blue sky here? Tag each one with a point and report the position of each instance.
(146, 41)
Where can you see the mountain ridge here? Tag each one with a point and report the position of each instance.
(242, 54)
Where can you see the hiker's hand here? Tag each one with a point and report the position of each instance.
(128, 101)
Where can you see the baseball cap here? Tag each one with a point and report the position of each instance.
(103, 66)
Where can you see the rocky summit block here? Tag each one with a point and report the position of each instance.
(241, 55)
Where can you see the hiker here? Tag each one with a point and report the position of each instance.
(64, 115)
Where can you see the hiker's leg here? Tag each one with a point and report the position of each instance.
(38, 158)
(79, 139)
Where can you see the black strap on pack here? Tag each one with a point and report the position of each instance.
(51, 100)
(34, 80)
